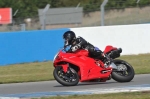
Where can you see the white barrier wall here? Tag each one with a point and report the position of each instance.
(133, 39)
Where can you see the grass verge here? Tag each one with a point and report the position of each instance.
(43, 71)
(125, 95)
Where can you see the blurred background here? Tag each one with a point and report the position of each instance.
(51, 14)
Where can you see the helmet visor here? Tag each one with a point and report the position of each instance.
(66, 42)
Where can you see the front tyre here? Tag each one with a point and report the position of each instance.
(125, 72)
(66, 79)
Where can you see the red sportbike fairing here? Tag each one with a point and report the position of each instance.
(72, 68)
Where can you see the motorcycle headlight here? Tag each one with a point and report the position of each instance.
(55, 57)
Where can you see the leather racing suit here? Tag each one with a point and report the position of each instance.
(81, 43)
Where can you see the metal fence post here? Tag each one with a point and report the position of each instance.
(137, 4)
(102, 11)
(23, 27)
(78, 5)
(44, 15)
(137, 1)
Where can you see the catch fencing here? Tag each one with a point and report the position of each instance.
(79, 17)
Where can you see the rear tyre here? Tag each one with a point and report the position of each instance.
(66, 79)
(126, 74)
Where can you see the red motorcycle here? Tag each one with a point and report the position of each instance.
(72, 68)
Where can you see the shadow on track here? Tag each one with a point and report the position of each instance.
(86, 83)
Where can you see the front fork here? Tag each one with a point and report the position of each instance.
(65, 67)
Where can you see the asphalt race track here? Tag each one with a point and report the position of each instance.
(52, 88)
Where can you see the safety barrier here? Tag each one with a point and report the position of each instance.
(30, 46)
(42, 45)
(133, 39)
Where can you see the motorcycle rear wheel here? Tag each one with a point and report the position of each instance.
(66, 79)
(123, 76)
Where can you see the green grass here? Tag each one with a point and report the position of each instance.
(125, 95)
(26, 72)
(141, 62)
(42, 71)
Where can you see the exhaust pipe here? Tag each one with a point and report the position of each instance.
(119, 50)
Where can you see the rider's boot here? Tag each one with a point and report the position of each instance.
(105, 60)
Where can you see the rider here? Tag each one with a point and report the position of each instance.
(80, 43)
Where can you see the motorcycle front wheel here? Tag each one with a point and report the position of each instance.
(125, 72)
(70, 78)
